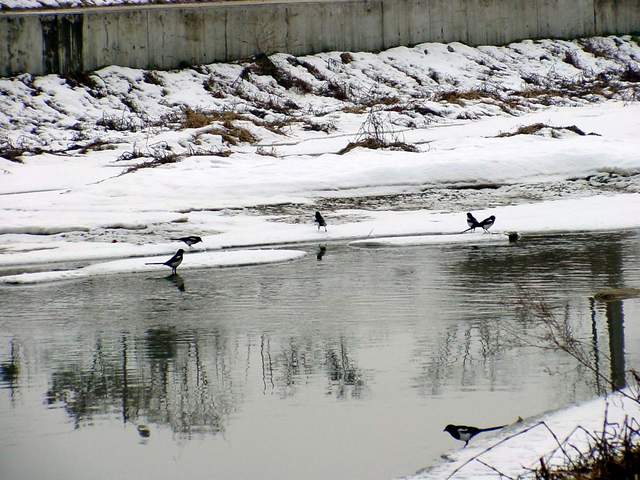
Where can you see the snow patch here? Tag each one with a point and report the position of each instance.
(471, 239)
(238, 258)
(524, 450)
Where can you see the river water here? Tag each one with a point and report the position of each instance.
(346, 364)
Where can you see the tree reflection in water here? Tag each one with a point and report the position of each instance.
(345, 380)
(10, 370)
(471, 349)
(163, 378)
(185, 380)
(299, 360)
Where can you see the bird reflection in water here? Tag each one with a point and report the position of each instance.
(144, 431)
(177, 280)
(322, 249)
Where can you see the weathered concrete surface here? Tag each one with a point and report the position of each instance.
(170, 36)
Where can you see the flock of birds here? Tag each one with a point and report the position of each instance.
(459, 432)
(175, 261)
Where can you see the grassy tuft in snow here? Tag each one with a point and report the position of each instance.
(546, 130)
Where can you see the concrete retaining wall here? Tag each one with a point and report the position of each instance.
(170, 36)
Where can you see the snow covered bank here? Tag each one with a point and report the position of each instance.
(116, 164)
(368, 228)
(238, 258)
(283, 99)
(522, 452)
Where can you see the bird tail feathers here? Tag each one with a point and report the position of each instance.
(492, 428)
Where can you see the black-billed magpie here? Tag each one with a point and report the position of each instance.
(466, 433)
(320, 221)
(487, 223)
(190, 240)
(472, 222)
(173, 262)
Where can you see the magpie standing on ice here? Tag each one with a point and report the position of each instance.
(190, 240)
(320, 221)
(487, 223)
(173, 262)
(465, 433)
(472, 222)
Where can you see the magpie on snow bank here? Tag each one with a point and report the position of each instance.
(466, 433)
(485, 224)
(190, 240)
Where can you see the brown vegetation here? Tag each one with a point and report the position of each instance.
(459, 97)
(534, 128)
(377, 144)
(11, 151)
(199, 118)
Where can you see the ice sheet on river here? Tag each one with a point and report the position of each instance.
(235, 258)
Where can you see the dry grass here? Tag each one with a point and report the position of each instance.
(81, 79)
(240, 134)
(388, 101)
(312, 70)
(631, 75)
(94, 145)
(277, 126)
(460, 97)
(357, 109)
(11, 151)
(198, 118)
(201, 151)
(376, 144)
(337, 90)
(161, 155)
(153, 78)
(232, 134)
(594, 49)
(131, 155)
(262, 65)
(534, 128)
(120, 122)
(346, 58)
(195, 119)
(612, 453)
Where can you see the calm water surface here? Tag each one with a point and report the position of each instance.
(346, 367)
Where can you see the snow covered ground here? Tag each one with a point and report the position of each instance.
(514, 455)
(114, 164)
